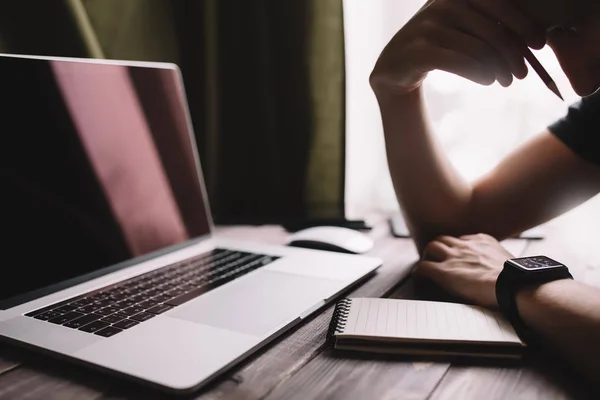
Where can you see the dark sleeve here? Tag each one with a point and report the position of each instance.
(580, 128)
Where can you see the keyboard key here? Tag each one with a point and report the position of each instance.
(104, 303)
(81, 302)
(174, 292)
(268, 260)
(173, 276)
(187, 287)
(145, 286)
(162, 298)
(166, 286)
(108, 331)
(125, 324)
(124, 304)
(107, 311)
(50, 307)
(112, 319)
(94, 326)
(98, 297)
(143, 297)
(135, 291)
(129, 285)
(192, 294)
(61, 319)
(40, 311)
(66, 308)
(147, 304)
(90, 308)
(116, 296)
(159, 309)
(126, 292)
(132, 310)
(47, 315)
(139, 298)
(141, 317)
(79, 322)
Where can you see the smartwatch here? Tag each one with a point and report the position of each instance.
(521, 272)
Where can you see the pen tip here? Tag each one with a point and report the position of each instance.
(552, 86)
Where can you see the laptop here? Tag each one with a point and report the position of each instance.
(110, 256)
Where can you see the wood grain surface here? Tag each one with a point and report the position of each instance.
(300, 366)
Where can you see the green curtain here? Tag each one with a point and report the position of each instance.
(326, 164)
(264, 80)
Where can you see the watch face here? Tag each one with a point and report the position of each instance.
(536, 263)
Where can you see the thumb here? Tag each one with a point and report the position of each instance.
(426, 269)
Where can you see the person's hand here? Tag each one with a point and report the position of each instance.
(467, 266)
(480, 40)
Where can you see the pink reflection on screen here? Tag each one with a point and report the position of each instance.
(115, 134)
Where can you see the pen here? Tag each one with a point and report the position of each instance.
(542, 73)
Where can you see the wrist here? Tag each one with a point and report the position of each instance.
(526, 295)
(399, 108)
(391, 80)
(533, 298)
(537, 293)
(520, 284)
(388, 94)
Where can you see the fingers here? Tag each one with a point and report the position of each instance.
(458, 64)
(449, 241)
(436, 251)
(477, 236)
(427, 269)
(498, 37)
(442, 248)
(513, 18)
(480, 40)
(476, 49)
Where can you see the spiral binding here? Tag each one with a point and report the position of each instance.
(339, 318)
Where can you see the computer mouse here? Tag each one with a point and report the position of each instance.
(331, 238)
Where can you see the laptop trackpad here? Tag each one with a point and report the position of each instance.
(259, 303)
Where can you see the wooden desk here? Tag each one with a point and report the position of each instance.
(299, 366)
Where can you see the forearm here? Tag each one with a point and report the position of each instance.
(566, 314)
(455, 37)
(433, 196)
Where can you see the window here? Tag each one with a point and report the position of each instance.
(477, 125)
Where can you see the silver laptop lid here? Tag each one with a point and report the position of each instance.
(98, 168)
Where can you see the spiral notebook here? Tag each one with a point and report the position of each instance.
(427, 328)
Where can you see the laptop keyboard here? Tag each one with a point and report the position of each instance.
(112, 309)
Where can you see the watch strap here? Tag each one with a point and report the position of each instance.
(508, 284)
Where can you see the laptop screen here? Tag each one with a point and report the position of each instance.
(97, 167)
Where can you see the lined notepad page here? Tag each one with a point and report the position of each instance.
(416, 319)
